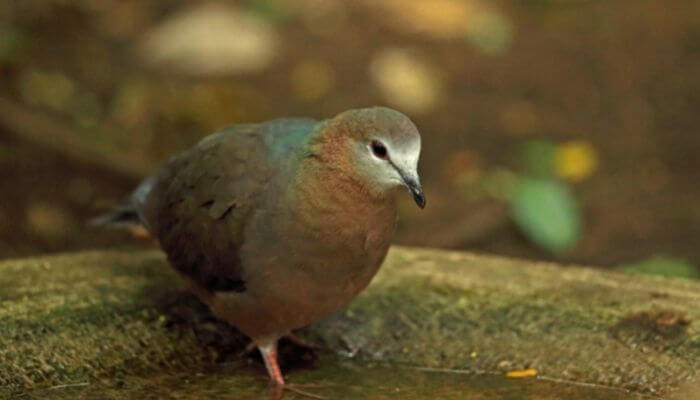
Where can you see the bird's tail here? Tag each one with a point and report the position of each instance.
(126, 215)
(121, 216)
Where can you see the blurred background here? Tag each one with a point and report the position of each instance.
(552, 129)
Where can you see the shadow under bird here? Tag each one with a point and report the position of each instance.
(278, 224)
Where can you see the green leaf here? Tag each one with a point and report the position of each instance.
(662, 265)
(546, 211)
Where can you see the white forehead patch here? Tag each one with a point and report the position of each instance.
(405, 155)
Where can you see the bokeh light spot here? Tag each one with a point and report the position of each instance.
(211, 39)
(406, 81)
(575, 160)
(490, 31)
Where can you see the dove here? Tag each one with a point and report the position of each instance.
(275, 225)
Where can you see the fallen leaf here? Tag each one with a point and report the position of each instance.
(522, 373)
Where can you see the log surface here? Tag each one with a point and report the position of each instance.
(94, 322)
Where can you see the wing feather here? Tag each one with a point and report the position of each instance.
(200, 201)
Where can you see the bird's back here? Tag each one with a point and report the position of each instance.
(199, 203)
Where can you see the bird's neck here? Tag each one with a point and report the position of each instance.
(327, 182)
(321, 180)
(323, 189)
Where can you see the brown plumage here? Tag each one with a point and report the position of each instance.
(276, 225)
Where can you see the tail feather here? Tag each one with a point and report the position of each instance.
(126, 215)
(119, 217)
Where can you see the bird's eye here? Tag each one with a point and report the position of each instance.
(379, 150)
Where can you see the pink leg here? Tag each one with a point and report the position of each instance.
(269, 355)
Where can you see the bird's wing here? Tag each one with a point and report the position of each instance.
(199, 203)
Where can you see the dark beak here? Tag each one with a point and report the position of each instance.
(417, 192)
(413, 185)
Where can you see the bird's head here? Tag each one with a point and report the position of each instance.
(378, 146)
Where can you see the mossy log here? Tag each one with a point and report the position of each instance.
(111, 322)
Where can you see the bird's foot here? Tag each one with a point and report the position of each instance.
(269, 354)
